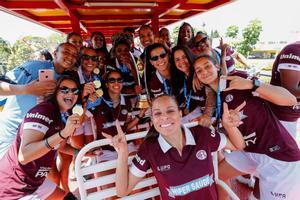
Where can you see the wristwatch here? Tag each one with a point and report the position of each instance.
(256, 84)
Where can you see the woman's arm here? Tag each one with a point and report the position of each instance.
(290, 79)
(125, 181)
(133, 122)
(275, 94)
(33, 146)
(231, 120)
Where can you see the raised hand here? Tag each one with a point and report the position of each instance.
(41, 88)
(238, 83)
(231, 118)
(73, 122)
(118, 141)
(89, 88)
(203, 120)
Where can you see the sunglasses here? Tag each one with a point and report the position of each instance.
(114, 80)
(66, 90)
(155, 58)
(87, 57)
(202, 41)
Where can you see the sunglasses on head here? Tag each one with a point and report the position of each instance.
(162, 55)
(114, 80)
(202, 41)
(87, 57)
(66, 90)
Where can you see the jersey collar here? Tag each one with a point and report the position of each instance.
(165, 146)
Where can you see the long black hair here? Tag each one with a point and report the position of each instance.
(177, 83)
(153, 133)
(179, 40)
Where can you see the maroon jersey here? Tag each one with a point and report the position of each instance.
(20, 180)
(190, 176)
(105, 116)
(159, 85)
(230, 63)
(287, 59)
(262, 131)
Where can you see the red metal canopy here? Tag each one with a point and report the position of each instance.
(86, 16)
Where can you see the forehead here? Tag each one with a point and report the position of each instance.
(75, 37)
(200, 36)
(122, 46)
(145, 31)
(89, 52)
(164, 31)
(97, 36)
(163, 103)
(178, 53)
(186, 28)
(157, 50)
(68, 83)
(202, 62)
(68, 47)
(114, 75)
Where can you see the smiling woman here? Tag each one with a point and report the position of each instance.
(32, 154)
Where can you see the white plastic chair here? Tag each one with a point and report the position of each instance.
(148, 181)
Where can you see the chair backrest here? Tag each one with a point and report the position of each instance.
(145, 189)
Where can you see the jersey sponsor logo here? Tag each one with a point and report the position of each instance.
(163, 168)
(278, 195)
(139, 160)
(36, 126)
(290, 56)
(25, 71)
(229, 98)
(39, 116)
(42, 172)
(194, 185)
(201, 155)
(111, 124)
(250, 139)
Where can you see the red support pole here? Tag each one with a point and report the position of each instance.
(155, 25)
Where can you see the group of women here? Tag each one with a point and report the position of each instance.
(187, 82)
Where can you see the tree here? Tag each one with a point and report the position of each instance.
(250, 37)
(20, 52)
(5, 51)
(232, 31)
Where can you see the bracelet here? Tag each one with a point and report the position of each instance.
(48, 145)
(60, 135)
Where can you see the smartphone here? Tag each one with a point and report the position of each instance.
(46, 74)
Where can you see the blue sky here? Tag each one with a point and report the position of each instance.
(280, 20)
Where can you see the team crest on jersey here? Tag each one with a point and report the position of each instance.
(229, 98)
(124, 112)
(201, 155)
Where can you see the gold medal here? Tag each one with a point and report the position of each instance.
(97, 83)
(99, 92)
(96, 71)
(77, 109)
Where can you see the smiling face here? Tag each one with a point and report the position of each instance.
(181, 61)
(146, 37)
(206, 71)
(97, 41)
(114, 83)
(122, 51)
(202, 43)
(65, 56)
(186, 34)
(159, 59)
(89, 60)
(166, 116)
(67, 95)
(76, 40)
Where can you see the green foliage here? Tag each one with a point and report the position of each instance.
(214, 34)
(232, 31)
(250, 37)
(20, 52)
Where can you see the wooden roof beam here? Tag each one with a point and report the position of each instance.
(76, 24)
(25, 5)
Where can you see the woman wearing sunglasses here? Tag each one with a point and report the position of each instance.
(157, 57)
(270, 153)
(195, 105)
(25, 166)
(114, 106)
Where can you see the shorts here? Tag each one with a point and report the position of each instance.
(113, 155)
(279, 180)
(44, 191)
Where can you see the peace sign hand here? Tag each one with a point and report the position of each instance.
(118, 141)
(231, 118)
(238, 83)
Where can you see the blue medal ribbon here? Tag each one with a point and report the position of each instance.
(64, 117)
(166, 87)
(218, 109)
(187, 96)
(109, 103)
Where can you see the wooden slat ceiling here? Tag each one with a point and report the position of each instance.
(86, 16)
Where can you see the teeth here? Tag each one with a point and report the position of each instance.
(165, 125)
